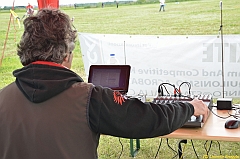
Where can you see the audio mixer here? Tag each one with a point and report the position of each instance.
(193, 122)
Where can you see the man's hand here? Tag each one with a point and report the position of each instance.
(200, 108)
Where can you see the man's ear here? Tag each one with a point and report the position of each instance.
(67, 61)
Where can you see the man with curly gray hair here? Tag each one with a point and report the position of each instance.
(47, 37)
(49, 112)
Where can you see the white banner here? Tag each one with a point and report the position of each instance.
(173, 59)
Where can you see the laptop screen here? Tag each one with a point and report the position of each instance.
(115, 77)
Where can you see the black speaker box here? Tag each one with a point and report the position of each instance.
(224, 103)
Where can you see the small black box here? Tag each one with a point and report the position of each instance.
(224, 103)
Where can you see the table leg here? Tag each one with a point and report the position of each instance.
(132, 151)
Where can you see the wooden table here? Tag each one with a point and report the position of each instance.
(213, 129)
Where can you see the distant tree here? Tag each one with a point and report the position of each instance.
(141, 1)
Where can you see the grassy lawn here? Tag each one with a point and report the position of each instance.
(200, 17)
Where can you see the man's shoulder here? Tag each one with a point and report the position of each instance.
(83, 85)
(11, 86)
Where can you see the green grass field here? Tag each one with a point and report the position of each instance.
(200, 17)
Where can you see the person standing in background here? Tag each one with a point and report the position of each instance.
(29, 8)
(162, 4)
(29, 11)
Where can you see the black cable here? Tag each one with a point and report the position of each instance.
(236, 108)
(171, 148)
(205, 147)
(194, 149)
(175, 156)
(160, 88)
(180, 152)
(165, 90)
(189, 88)
(207, 151)
(210, 145)
(218, 115)
(121, 146)
(158, 148)
(177, 92)
(229, 115)
(236, 116)
(219, 147)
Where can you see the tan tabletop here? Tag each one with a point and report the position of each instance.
(213, 129)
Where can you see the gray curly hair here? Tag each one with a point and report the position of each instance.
(48, 36)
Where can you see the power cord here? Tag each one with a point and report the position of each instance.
(158, 148)
(210, 145)
(176, 92)
(172, 148)
(162, 85)
(119, 139)
(180, 151)
(219, 148)
(194, 149)
(189, 88)
(205, 147)
(236, 115)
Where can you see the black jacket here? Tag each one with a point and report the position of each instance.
(107, 111)
(131, 119)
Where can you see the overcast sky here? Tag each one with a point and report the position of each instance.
(34, 2)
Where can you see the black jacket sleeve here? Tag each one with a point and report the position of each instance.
(116, 115)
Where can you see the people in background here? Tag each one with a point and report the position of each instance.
(29, 11)
(162, 5)
(49, 112)
(29, 8)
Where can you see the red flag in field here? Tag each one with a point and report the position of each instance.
(48, 4)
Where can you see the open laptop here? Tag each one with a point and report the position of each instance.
(115, 77)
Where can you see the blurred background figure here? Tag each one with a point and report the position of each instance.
(29, 8)
(162, 4)
(29, 11)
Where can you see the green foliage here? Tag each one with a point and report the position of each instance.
(141, 1)
(200, 17)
